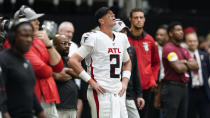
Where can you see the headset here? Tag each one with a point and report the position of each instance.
(13, 30)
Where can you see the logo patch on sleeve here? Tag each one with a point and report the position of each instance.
(85, 38)
(172, 56)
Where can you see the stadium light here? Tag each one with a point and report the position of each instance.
(89, 2)
(110, 3)
(1, 1)
(78, 2)
(121, 3)
(31, 2)
(13, 1)
(56, 2)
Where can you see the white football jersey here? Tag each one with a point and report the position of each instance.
(104, 62)
(72, 49)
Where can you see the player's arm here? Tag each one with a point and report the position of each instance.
(87, 43)
(71, 72)
(62, 76)
(54, 57)
(126, 72)
(137, 82)
(192, 64)
(178, 65)
(74, 62)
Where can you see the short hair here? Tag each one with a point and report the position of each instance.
(14, 31)
(163, 26)
(201, 39)
(172, 25)
(63, 24)
(135, 10)
(100, 13)
(57, 36)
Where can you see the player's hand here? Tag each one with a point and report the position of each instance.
(192, 64)
(62, 76)
(66, 76)
(152, 89)
(42, 115)
(71, 72)
(42, 35)
(140, 103)
(96, 86)
(6, 115)
(124, 86)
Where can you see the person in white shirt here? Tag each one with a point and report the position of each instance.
(105, 53)
(162, 38)
(67, 28)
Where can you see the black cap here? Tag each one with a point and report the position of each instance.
(101, 12)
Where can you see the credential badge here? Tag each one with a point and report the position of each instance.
(202, 57)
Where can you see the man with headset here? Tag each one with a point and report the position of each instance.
(45, 60)
(19, 77)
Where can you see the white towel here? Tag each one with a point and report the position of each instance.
(115, 100)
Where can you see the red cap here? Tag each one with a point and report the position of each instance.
(189, 30)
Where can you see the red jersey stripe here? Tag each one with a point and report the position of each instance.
(94, 92)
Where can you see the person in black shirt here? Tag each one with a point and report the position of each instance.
(134, 92)
(3, 110)
(18, 73)
(67, 88)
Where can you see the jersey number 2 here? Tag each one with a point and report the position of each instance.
(114, 66)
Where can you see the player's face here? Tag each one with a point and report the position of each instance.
(35, 23)
(177, 33)
(161, 36)
(24, 38)
(137, 20)
(192, 41)
(109, 19)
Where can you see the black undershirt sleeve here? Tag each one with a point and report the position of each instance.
(136, 77)
(3, 95)
(37, 106)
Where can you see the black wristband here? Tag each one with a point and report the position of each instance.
(49, 47)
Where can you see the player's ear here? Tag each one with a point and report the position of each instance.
(170, 34)
(130, 19)
(101, 21)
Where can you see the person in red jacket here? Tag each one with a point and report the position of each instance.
(45, 60)
(147, 58)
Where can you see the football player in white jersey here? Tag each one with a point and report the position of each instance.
(105, 53)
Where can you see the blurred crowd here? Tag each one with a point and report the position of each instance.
(36, 79)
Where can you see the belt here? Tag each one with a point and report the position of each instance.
(197, 87)
(177, 83)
